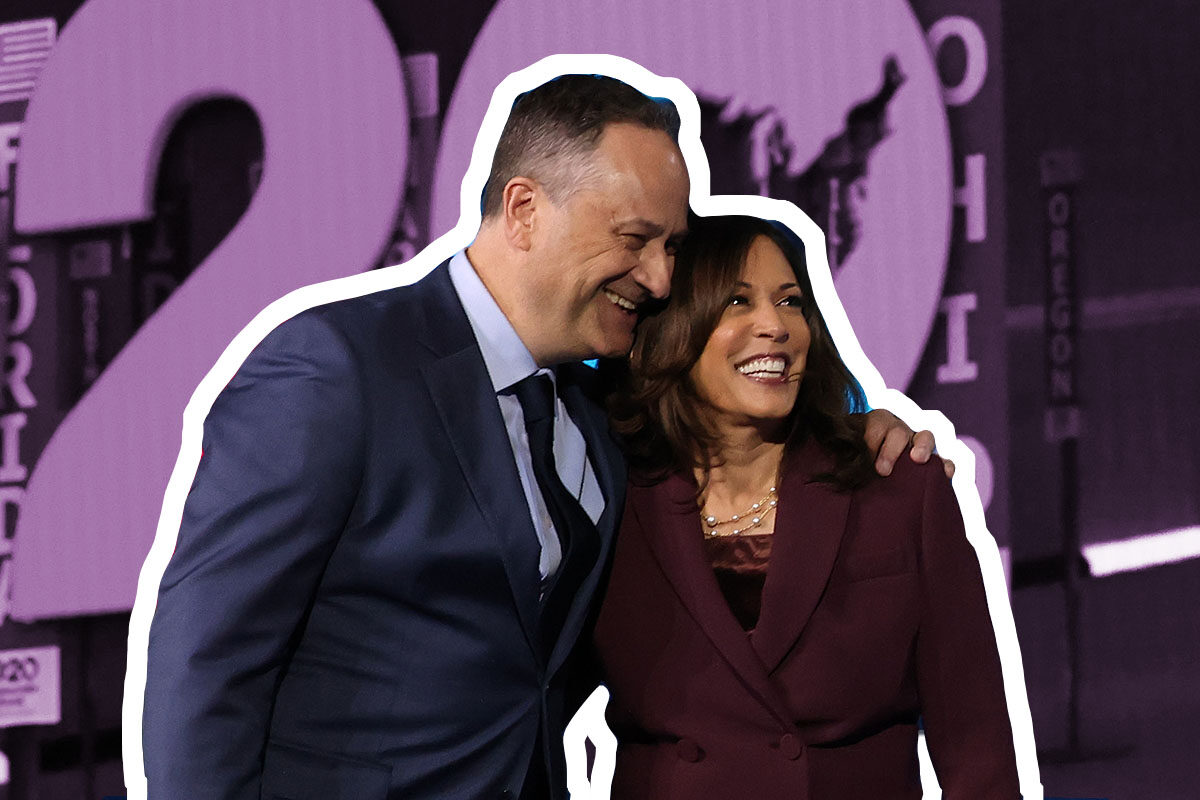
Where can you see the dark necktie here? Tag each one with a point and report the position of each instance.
(576, 533)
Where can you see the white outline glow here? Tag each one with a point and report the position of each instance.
(930, 788)
(591, 717)
(588, 723)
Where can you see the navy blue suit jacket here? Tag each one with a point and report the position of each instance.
(351, 608)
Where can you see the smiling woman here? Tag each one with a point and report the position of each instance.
(778, 617)
(751, 369)
(697, 372)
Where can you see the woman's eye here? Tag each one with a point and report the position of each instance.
(793, 300)
(738, 300)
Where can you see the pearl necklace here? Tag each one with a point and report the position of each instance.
(754, 516)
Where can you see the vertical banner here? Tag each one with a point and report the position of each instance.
(29, 403)
(1061, 172)
(963, 371)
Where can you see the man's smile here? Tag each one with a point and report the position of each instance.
(620, 301)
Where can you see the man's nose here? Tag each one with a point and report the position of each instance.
(653, 272)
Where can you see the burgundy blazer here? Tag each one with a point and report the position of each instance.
(873, 615)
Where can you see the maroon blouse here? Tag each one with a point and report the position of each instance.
(740, 564)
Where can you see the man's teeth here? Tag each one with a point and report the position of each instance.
(628, 305)
(771, 367)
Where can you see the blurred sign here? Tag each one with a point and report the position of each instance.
(24, 48)
(30, 686)
(1061, 172)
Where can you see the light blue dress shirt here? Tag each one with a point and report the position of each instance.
(508, 361)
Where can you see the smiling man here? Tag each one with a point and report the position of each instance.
(407, 499)
(576, 240)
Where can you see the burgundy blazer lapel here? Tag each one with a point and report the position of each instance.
(667, 515)
(809, 525)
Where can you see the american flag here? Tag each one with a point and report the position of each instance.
(24, 48)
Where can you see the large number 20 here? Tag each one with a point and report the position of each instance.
(325, 80)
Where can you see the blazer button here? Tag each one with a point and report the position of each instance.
(790, 747)
(688, 750)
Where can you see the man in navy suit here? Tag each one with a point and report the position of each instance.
(375, 590)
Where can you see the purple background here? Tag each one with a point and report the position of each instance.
(1116, 84)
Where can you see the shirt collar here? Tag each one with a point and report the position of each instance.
(506, 357)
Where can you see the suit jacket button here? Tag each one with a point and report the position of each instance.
(688, 750)
(790, 747)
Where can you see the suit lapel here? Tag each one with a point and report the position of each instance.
(668, 517)
(810, 523)
(470, 416)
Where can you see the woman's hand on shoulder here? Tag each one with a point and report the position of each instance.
(888, 437)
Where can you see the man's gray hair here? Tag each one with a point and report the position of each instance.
(553, 130)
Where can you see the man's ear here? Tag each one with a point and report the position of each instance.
(519, 202)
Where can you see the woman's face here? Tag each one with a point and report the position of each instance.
(750, 370)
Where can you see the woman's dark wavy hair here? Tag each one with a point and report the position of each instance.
(658, 413)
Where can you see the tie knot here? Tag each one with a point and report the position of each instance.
(536, 395)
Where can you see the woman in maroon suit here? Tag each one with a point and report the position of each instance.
(778, 621)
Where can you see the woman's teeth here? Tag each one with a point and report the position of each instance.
(767, 367)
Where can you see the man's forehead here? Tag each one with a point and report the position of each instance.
(656, 175)
(650, 227)
(624, 139)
